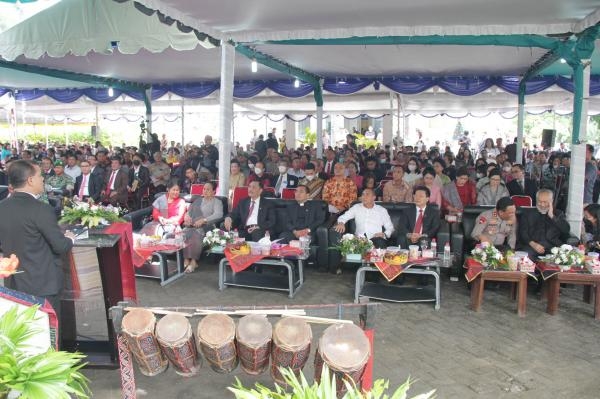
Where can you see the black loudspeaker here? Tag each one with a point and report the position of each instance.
(548, 137)
(94, 131)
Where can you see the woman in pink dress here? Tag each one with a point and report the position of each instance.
(168, 212)
(428, 181)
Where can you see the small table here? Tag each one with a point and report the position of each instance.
(520, 278)
(290, 282)
(399, 293)
(160, 270)
(589, 281)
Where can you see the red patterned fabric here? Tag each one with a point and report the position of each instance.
(126, 368)
(126, 257)
(141, 254)
(390, 272)
(240, 263)
(548, 270)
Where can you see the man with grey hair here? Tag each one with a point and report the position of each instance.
(542, 228)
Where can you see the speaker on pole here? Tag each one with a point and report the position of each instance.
(94, 131)
(548, 137)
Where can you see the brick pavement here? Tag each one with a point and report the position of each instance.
(462, 354)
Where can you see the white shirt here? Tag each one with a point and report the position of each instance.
(283, 178)
(253, 217)
(73, 171)
(369, 221)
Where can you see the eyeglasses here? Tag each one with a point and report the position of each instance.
(495, 179)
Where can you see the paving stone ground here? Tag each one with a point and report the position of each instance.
(462, 354)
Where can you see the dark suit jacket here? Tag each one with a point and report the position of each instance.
(266, 214)
(120, 185)
(514, 188)
(30, 231)
(94, 186)
(534, 226)
(292, 181)
(431, 223)
(143, 177)
(313, 216)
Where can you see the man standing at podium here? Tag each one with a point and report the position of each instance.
(30, 231)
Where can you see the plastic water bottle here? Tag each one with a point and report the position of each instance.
(434, 247)
(447, 252)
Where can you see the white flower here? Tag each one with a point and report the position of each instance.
(348, 236)
(566, 247)
(554, 250)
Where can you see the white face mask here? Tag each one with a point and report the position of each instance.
(250, 165)
(507, 169)
(258, 171)
(309, 177)
(479, 175)
(412, 167)
(282, 169)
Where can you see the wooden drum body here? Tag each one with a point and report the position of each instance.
(138, 329)
(253, 335)
(345, 349)
(175, 337)
(216, 341)
(291, 346)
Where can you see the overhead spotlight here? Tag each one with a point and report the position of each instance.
(563, 61)
(254, 66)
(111, 92)
(296, 83)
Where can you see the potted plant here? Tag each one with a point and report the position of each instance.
(90, 215)
(565, 257)
(27, 374)
(354, 247)
(299, 388)
(489, 256)
(217, 239)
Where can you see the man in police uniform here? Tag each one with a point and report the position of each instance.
(498, 226)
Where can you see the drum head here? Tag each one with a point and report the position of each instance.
(173, 328)
(254, 330)
(292, 333)
(344, 347)
(138, 321)
(216, 329)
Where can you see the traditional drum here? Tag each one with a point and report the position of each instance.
(174, 335)
(345, 349)
(291, 346)
(216, 341)
(254, 343)
(138, 329)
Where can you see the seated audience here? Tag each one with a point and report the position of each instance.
(283, 179)
(87, 185)
(160, 173)
(591, 218)
(435, 192)
(302, 217)
(253, 216)
(116, 182)
(420, 220)
(544, 228)
(168, 211)
(459, 193)
(397, 190)
(521, 185)
(498, 226)
(312, 181)
(339, 191)
(200, 218)
(260, 175)
(493, 190)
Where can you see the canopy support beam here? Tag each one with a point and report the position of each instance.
(225, 115)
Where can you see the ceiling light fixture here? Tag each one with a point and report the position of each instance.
(563, 61)
(296, 83)
(254, 66)
(111, 92)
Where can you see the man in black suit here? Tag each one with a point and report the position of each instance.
(253, 216)
(303, 217)
(283, 179)
(544, 228)
(29, 230)
(116, 181)
(419, 219)
(139, 180)
(87, 185)
(520, 185)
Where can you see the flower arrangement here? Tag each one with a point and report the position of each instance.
(566, 256)
(488, 255)
(218, 237)
(351, 244)
(90, 214)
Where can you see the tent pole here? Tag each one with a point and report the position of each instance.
(318, 93)
(46, 130)
(148, 104)
(581, 80)
(225, 115)
(182, 123)
(520, 124)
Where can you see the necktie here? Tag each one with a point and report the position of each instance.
(419, 224)
(278, 185)
(83, 181)
(110, 181)
(328, 168)
(250, 209)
